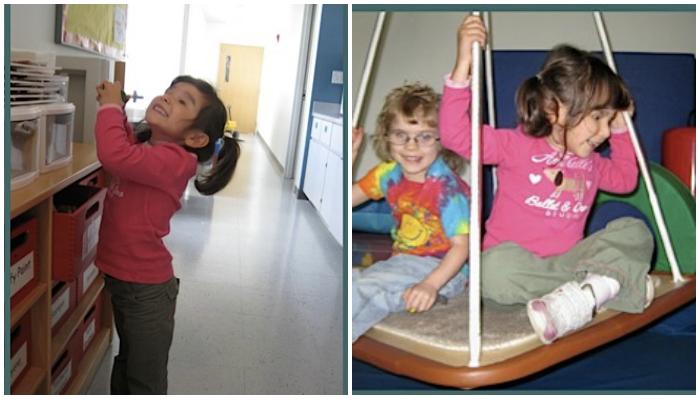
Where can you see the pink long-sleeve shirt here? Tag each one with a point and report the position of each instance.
(144, 193)
(528, 208)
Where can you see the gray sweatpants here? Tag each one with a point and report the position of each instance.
(377, 290)
(622, 250)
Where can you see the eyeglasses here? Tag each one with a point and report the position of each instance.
(400, 138)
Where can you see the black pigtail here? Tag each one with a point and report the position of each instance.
(532, 102)
(221, 172)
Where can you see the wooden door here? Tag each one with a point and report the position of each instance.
(238, 82)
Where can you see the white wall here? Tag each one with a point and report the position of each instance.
(201, 51)
(421, 46)
(254, 26)
(278, 79)
(153, 56)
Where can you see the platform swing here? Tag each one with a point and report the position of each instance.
(436, 346)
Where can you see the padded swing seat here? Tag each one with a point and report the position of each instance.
(434, 347)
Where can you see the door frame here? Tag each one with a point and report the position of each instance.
(300, 96)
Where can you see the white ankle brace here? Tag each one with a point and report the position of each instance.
(566, 309)
(604, 288)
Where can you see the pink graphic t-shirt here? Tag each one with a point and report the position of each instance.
(529, 208)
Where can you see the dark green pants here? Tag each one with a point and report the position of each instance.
(622, 251)
(144, 318)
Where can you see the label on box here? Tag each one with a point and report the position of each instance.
(88, 334)
(62, 379)
(89, 276)
(21, 273)
(90, 236)
(60, 140)
(60, 307)
(18, 363)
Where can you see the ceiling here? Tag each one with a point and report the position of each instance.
(224, 12)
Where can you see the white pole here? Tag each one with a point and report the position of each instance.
(475, 213)
(367, 71)
(488, 65)
(692, 173)
(658, 216)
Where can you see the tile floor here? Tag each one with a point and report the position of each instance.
(260, 309)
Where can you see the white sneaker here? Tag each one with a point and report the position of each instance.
(566, 309)
(649, 292)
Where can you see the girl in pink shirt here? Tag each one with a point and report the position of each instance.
(149, 172)
(548, 175)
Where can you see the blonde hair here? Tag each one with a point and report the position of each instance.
(417, 103)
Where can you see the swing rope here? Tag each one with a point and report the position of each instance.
(653, 199)
(367, 71)
(488, 66)
(475, 212)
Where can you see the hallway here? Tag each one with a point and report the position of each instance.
(260, 309)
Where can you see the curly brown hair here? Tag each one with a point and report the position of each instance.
(418, 103)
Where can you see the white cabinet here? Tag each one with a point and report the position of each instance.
(321, 131)
(337, 140)
(315, 172)
(332, 202)
(323, 176)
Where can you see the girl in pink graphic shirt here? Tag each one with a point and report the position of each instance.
(548, 175)
(150, 171)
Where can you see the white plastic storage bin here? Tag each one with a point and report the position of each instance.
(56, 141)
(26, 129)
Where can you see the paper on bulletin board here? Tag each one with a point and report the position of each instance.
(99, 28)
(120, 26)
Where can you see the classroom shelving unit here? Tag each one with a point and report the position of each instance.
(36, 200)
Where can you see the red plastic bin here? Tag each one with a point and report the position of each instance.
(24, 259)
(91, 324)
(20, 349)
(64, 298)
(678, 154)
(65, 368)
(85, 279)
(76, 224)
(96, 179)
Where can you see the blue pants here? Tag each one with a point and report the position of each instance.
(377, 290)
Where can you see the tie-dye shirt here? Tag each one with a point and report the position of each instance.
(426, 215)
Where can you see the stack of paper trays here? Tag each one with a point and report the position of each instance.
(33, 79)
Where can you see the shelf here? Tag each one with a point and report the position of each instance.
(21, 308)
(90, 362)
(35, 199)
(60, 340)
(83, 162)
(30, 382)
